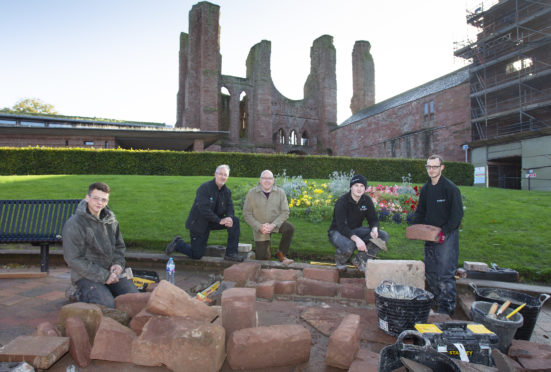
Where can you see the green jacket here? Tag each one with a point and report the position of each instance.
(92, 245)
(258, 210)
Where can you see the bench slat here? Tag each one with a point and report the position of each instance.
(39, 222)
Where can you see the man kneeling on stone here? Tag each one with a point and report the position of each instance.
(266, 210)
(211, 210)
(346, 232)
(94, 250)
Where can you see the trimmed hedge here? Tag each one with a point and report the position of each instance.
(40, 160)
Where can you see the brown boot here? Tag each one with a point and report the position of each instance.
(283, 259)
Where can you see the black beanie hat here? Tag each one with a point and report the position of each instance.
(358, 179)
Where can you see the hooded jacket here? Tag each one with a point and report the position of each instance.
(92, 245)
(259, 210)
(349, 215)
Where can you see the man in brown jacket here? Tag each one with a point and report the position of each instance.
(266, 210)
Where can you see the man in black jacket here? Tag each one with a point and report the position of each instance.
(346, 232)
(440, 205)
(211, 210)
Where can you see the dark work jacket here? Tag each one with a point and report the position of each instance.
(349, 215)
(211, 205)
(440, 205)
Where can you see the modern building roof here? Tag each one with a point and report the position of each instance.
(444, 82)
(127, 135)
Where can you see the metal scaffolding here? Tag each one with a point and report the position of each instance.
(510, 74)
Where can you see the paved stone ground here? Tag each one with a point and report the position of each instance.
(24, 303)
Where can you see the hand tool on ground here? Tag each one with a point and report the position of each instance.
(515, 311)
(328, 264)
(492, 311)
(503, 308)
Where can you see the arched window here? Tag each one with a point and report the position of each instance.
(304, 139)
(224, 91)
(243, 114)
(293, 138)
(281, 136)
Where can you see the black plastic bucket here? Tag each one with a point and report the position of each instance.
(420, 352)
(504, 328)
(530, 312)
(399, 307)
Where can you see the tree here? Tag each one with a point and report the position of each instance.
(30, 106)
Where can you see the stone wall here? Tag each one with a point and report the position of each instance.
(404, 131)
(256, 115)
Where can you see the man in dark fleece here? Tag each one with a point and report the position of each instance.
(440, 205)
(211, 210)
(346, 232)
(94, 250)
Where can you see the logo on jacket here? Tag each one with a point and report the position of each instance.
(363, 207)
(440, 200)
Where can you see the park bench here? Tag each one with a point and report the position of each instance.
(38, 222)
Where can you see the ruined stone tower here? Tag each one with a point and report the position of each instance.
(363, 77)
(257, 117)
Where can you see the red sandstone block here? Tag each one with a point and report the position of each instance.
(355, 291)
(265, 347)
(39, 351)
(344, 343)
(285, 287)
(370, 296)
(113, 342)
(241, 273)
(330, 275)
(423, 232)
(238, 309)
(310, 287)
(138, 321)
(266, 289)
(281, 275)
(355, 281)
(79, 347)
(132, 303)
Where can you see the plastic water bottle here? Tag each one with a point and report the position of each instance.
(170, 269)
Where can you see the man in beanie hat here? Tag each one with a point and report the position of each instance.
(346, 232)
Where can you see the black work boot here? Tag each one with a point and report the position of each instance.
(233, 257)
(171, 247)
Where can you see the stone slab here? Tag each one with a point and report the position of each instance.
(344, 343)
(423, 232)
(365, 361)
(330, 275)
(279, 275)
(405, 272)
(475, 266)
(90, 314)
(242, 273)
(79, 347)
(311, 287)
(132, 303)
(244, 247)
(272, 346)
(39, 351)
(113, 342)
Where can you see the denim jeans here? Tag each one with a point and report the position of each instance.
(346, 247)
(440, 267)
(101, 293)
(196, 249)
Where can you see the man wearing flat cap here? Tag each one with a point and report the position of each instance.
(347, 232)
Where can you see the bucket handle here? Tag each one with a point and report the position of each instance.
(543, 297)
(413, 334)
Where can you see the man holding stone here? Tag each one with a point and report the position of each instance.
(266, 210)
(94, 250)
(440, 205)
(346, 232)
(211, 210)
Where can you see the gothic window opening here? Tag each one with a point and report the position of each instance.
(293, 138)
(304, 139)
(281, 136)
(243, 101)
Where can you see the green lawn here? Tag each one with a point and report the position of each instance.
(508, 227)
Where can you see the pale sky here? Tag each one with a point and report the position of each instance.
(118, 59)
